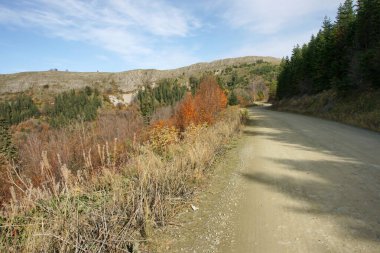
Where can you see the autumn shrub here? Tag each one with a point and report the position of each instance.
(124, 125)
(244, 99)
(193, 131)
(161, 135)
(186, 113)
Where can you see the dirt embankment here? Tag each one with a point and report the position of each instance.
(360, 109)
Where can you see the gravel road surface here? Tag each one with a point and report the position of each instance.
(291, 184)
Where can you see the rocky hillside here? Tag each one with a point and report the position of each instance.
(126, 82)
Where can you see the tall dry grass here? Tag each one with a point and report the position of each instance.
(117, 208)
(79, 145)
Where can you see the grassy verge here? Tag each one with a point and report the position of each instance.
(357, 109)
(116, 209)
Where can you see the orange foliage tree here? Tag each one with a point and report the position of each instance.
(208, 101)
(186, 113)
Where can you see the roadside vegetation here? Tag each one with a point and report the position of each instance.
(81, 174)
(337, 74)
(361, 110)
(78, 175)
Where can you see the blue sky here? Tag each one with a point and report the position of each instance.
(119, 35)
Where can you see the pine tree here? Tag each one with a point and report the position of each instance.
(166, 93)
(343, 46)
(232, 99)
(368, 40)
(344, 55)
(194, 84)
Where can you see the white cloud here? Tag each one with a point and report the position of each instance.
(156, 17)
(268, 17)
(276, 46)
(133, 29)
(168, 58)
(160, 33)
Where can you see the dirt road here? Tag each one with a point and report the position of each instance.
(297, 184)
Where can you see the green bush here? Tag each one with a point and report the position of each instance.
(232, 99)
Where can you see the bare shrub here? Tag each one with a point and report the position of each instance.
(4, 184)
(163, 113)
(91, 146)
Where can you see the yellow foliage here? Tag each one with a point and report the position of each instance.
(160, 137)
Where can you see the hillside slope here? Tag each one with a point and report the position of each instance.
(127, 81)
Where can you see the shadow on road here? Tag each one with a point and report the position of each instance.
(342, 186)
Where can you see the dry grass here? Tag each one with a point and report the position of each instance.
(79, 145)
(361, 109)
(115, 209)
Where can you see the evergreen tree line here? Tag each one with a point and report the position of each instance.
(17, 110)
(344, 55)
(74, 105)
(67, 106)
(167, 92)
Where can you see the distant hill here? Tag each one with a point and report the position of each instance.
(128, 81)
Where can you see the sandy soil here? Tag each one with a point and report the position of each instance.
(291, 184)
